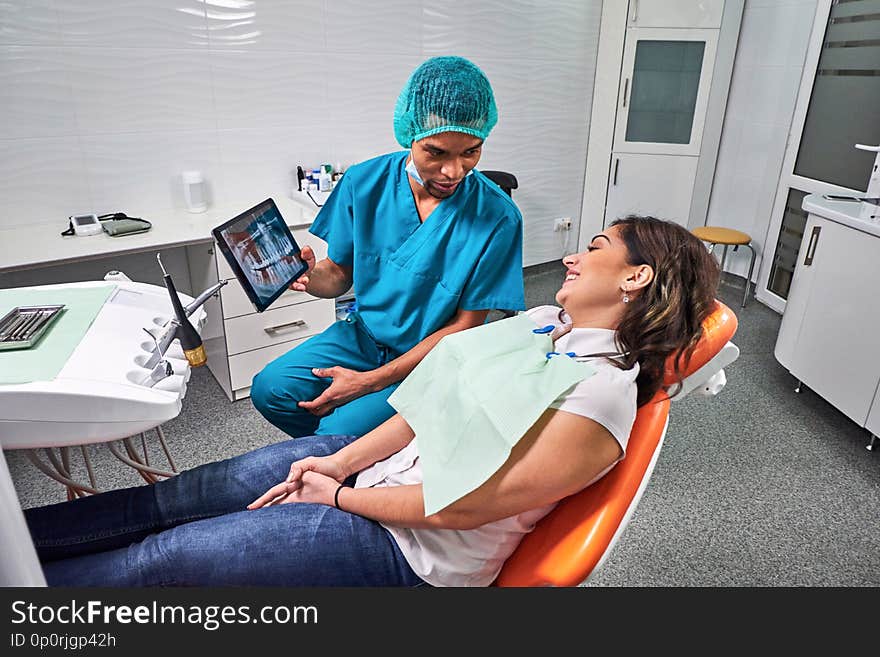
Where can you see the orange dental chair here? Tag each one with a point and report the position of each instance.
(571, 543)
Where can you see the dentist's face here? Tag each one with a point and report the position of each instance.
(443, 160)
(598, 276)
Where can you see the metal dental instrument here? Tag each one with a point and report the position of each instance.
(164, 336)
(43, 316)
(190, 340)
(162, 370)
(163, 340)
(196, 303)
(25, 327)
(204, 296)
(161, 266)
(8, 333)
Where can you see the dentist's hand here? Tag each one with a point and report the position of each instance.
(347, 385)
(308, 256)
(326, 466)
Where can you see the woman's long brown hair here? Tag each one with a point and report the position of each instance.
(665, 317)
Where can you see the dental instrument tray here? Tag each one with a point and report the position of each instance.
(23, 326)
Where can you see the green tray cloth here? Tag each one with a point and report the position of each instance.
(43, 361)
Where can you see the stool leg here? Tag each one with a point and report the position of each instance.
(723, 257)
(749, 277)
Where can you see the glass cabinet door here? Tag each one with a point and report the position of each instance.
(787, 246)
(664, 90)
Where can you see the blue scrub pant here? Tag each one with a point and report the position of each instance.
(288, 379)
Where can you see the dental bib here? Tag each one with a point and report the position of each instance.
(473, 397)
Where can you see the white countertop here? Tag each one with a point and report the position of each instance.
(855, 214)
(38, 245)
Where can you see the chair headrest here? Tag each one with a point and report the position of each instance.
(718, 328)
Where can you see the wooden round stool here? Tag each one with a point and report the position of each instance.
(728, 237)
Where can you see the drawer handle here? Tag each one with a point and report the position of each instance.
(811, 247)
(297, 323)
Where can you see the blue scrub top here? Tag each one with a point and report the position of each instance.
(410, 278)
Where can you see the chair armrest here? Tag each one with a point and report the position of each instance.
(728, 353)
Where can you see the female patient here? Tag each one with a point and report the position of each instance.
(347, 511)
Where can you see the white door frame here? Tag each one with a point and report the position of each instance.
(787, 178)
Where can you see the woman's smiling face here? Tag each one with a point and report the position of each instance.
(598, 275)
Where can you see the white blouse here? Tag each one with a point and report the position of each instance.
(474, 557)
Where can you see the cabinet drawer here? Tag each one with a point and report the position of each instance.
(279, 325)
(236, 302)
(243, 367)
(302, 237)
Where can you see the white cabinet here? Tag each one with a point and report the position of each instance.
(658, 185)
(675, 13)
(828, 336)
(675, 64)
(241, 341)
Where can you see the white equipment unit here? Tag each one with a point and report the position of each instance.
(105, 391)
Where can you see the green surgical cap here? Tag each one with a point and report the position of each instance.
(444, 94)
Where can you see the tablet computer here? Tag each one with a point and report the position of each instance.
(260, 249)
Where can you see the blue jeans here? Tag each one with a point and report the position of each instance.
(287, 380)
(194, 530)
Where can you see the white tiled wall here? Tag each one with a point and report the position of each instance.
(105, 102)
(766, 75)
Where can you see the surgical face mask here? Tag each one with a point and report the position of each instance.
(413, 173)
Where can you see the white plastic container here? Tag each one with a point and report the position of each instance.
(325, 182)
(195, 191)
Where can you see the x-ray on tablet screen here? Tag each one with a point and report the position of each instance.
(262, 252)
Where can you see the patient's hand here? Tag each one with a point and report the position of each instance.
(310, 487)
(326, 466)
(316, 488)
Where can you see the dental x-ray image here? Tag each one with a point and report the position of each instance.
(261, 250)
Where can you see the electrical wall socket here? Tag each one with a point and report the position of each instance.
(562, 223)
